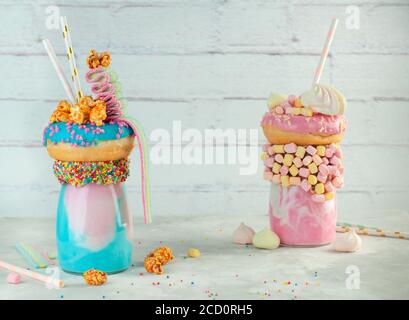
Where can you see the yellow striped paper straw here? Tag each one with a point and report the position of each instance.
(57, 283)
(325, 50)
(71, 57)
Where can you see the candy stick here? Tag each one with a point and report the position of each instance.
(29, 253)
(71, 57)
(57, 283)
(325, 50)
(374, 232)
(57, 66)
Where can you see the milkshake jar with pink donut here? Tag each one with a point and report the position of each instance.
(303, 162)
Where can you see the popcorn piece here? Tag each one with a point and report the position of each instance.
(300, 152)
(93, 59)
(285, 181)
(319, 188)
(278, 148)
(312, 180)
(304, 172)
(279, 158)
(64, 106)
(295, 181)
(307, 160)
(163, 254)
(153, 265)
(79, 115)
(288, 159)
(290, 148)
(321, 151)
(105, 59)
(98, 113)
(95, 277)
(317, 159)
(311, 150)
(297, 162)
(293, 170)
(329, 196)
(305, 185)
(313, 168)
(276, 168)
(284, 170)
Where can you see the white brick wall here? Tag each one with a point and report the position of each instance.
(211, 64)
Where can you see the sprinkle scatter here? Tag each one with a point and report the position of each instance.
(100, 172)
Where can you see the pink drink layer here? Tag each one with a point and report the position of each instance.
(298, 220)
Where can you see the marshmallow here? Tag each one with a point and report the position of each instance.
(307, 160)
(297, 162)
(329, 153)
(305, 185)
(311, 150)
(325, 160)
(317, 159)
(284, 170)
(323, 169)
(313, 168)
(269, 162)
(264, 156)
(270, 151)
(321, 151)
(276, 167)
(293, 170)
(276, 178)
(338, 182)
(304, 172)
(300, 152)
(329, 187)
(318, 198)
(268, 175)
(278, 148)
(338, 153)
(285, 181)
(332, 169)
(321, 177)
(288, 159)
(295, 181)
(329, 196)
(290, 148)
(279, 158)
(312, 180)
(319, 188)
(335, 161)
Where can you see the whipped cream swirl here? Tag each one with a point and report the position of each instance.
(324, 99)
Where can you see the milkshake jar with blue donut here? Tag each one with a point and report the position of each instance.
(90, 141)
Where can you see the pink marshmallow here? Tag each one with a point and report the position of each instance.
(305, 185)
(323, 168)
(338, 182)
(317, 159)
(284, 170)
(338, 153)
(295, 181)
(332, 169)
(332, 146)
(290, 148)
(304, 172)
(278, 158)
(329, 152)
(13, 278)
(269, 162)
(270, 150)
(311, 150)
(318, 198)
(321, 177)
(307, 160)
(329, 187)
(334, 160)
(325, 160)
(298, 162)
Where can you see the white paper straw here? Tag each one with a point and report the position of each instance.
(57, 67)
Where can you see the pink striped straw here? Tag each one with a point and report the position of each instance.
(325, 50)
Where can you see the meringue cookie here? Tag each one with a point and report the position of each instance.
(324, 99)
(243, 234)
(347, 242)
(266, 239)
(275, 99)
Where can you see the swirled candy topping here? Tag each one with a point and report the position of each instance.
(324, 99)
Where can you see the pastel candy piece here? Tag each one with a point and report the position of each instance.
(333, 147)
(285, 181)
(341, 170)
(279, 158)
(269, 162)
(295, 181)
(278, 148)
(275, 99)
(264, 156)
(304, 172)
(321, 151)
(307, 160)
(283, 170)
(279, 110)
(311, 150)
(13, 278)
(329, 153)
(288, 159)
(321, 177)
(313, 168)
(338, 182)
(291, 99)
(293, 170)
(318, 198)
(325, 160)
(297, 162)
(312, 180)
(338, 153)
(317, 159)
(323, 168)
(300, 152)
(334, 160)
(290, 148)
(329, 196)
(319, 188)
(276, 167)
(329, 187)
(266, 239)
(332, 169)
(268, 175)
(305, 185)
(276, 178)
(270, 151)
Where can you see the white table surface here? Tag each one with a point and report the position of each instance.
(224, 270)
